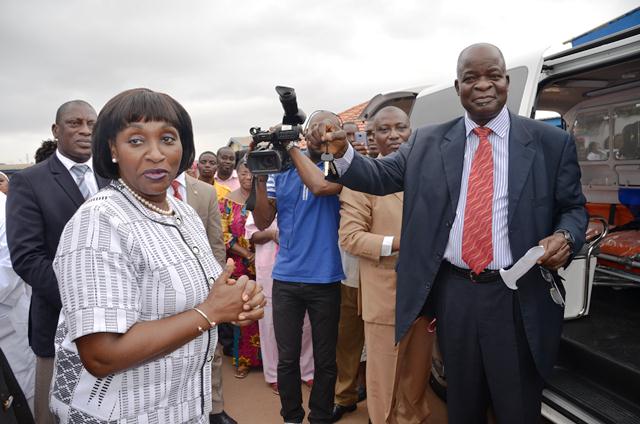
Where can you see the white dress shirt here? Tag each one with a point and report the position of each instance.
(499, 139)
(91, 182)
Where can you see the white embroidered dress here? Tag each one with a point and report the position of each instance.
(119, 263)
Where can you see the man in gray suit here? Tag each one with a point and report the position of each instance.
(463, 220)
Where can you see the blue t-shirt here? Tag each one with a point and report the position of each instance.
(308, 231)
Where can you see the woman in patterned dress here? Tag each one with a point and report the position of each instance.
(246, 340)
(141, 291)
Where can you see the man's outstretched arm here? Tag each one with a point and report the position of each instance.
(312, 176)
(375, 176)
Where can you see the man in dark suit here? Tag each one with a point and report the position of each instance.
(41, 201)
(463, 220)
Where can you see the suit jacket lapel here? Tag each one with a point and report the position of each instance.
(452, 149)
(65, 180)
(192, 192)
(102, 182)
(521, 155)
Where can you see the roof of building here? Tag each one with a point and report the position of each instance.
(353, 115)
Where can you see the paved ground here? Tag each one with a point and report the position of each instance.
(250, 401)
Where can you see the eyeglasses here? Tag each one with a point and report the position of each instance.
(556, 294)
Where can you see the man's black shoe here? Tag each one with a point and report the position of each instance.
(221, 418)
(339, 411)
(362, 393)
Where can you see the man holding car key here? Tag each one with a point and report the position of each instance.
(479, 192)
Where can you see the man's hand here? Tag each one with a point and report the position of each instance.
(330, 135)
(556, 252)
(360, 148)
(592, 233)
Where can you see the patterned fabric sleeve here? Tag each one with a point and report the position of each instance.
(96, 274)
(226, 219)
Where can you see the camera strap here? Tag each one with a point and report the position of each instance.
(251, 200)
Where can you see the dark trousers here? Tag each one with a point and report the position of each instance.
(290, 302)
(485, 351)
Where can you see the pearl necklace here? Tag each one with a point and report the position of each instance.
(145, 202)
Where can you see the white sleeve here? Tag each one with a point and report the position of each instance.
(387, 246)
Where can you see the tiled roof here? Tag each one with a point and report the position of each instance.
(352, 115)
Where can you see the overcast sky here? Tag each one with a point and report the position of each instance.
(221, 59)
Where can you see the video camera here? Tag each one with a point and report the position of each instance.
(268, 154)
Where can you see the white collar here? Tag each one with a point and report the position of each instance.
(68, 163)
(499, 125)
(182, 179)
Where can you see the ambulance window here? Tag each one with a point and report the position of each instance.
(626, 138)
(591, 132)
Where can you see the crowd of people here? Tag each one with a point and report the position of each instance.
(130, 268)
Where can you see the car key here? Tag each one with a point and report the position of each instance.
(327, 158)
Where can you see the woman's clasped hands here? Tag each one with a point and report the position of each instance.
(239, 301)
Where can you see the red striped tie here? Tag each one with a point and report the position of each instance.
(477, 245)
(175, 185)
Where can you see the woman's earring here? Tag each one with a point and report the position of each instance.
(114, 160)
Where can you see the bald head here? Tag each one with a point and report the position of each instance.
(390, 129)
(392, 112)
(64, 107)
(323, 115)
(479, 49)
(482, 82)
(314, 146)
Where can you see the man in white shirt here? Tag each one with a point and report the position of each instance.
(15, 296)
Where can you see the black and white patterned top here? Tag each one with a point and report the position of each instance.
(119, 263)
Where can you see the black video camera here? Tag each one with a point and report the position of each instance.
(268, 154)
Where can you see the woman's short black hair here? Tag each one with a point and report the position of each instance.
(138, 105)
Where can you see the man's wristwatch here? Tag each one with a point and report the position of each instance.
(568, 237)
(291, 145)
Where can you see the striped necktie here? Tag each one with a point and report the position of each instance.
(175, 185)
(80, 172)
(477, 243)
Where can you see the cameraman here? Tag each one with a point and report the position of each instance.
(307, 272)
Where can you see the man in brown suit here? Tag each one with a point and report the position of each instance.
(203, 198)
(370, 226)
